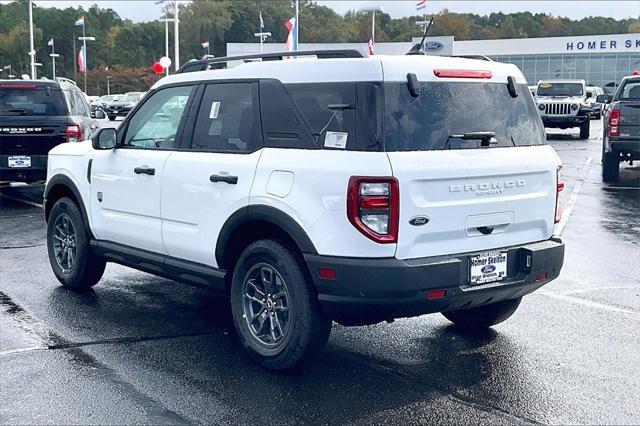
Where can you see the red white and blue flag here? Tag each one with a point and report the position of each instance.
(421, 5)
(370, 46)
(205, 44)
(82, 60)
(80, 21)
(50, 42)
(292, 26)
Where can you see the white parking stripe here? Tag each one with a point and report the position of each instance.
(568, 207)
(580, 301)
(20, 200)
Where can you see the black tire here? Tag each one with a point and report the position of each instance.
(112, 117)
(610, 167)
(584, 129)
(307, 329)
(483, 317)
(86, 268)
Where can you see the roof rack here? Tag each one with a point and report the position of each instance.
(65, 80)
(205, 64)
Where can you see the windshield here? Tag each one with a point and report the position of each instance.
(130, 98)
(25, 99)
(630, 91)
(444, 109)
(107, 98)
(560, 89)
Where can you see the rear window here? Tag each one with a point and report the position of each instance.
(560, 89)
(630, 91)
(443, 109)
(16, 100)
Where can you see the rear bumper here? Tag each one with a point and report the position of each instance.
(119, 112)
(366, 291)
(629, 148)
(564, 121)
(37, 171)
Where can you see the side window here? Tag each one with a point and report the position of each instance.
(330, 112)
(228, 119)
(156, 123)
(81, 104)
(71, 102)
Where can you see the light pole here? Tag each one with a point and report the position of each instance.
(166, 37)
(176, 35)
(32, 52)
(84, 40)
(53, 59)
(263, 37)
(373, 10)
(108, 88)
(35, 71)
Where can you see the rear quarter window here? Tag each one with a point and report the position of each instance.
(447, 108)
(25, 100)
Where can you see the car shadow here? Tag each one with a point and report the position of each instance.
(186, 334)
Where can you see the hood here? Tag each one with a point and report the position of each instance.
(567, 99)
(121, 104)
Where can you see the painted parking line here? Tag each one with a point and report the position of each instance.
(21, 200)
(573, 197)
(588, 303)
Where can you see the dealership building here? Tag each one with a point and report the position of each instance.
(601, 60)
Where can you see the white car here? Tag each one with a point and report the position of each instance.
(353, 189)
(596, 107)
(563, 104)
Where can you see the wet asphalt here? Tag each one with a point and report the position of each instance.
(142, 349)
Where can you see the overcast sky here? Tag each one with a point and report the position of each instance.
(146, 10)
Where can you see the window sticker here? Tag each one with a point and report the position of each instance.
(336, 140)
(215, 107)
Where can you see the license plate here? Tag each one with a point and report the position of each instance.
(488, 267)
(20, 161)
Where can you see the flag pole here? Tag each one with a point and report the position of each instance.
(260, 29)
(176, 36)
(84, 54)
(53, 57)
(75, 58)
(166, 37)
(297, 25)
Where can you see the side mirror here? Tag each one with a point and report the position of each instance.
(99, 114)
(104, 139)
(604, 99)
(589, 95)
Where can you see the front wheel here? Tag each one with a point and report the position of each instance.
(70, 256)
(112, 117)
(584, 129)
(483, 317)
(275, 308)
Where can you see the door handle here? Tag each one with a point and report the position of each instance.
(144, 170)
(485, 230)
(231, 180)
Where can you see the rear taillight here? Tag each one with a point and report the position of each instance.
(372, 207)
(73, 133)
(614, 122)
(559, 188)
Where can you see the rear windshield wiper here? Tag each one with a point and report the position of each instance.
(485, 138)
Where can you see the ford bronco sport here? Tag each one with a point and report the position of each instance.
(562, 104)
(327, 188)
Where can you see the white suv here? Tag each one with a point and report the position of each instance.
(563, 104)
(313, 190)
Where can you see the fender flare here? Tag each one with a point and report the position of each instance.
(69, 184)
(265, 214)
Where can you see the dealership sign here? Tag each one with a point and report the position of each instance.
(603, 44)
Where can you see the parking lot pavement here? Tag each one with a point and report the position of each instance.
(141, 349)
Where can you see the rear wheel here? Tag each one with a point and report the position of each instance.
(584, 129)
(610, 167)
(483, 317)
(70, 256)
(275, 308)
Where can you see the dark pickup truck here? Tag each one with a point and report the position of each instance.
(621, 129)
(35, 116)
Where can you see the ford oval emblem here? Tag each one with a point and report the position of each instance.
(488, 269)
(433, 45)
(419, 220)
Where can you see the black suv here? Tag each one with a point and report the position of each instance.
(35, 116)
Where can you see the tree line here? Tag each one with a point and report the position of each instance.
(129, 49)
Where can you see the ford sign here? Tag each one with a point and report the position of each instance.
(488, 269)
(433, 45)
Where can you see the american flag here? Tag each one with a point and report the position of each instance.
(291, 37)
(80, 21)
(421, 5)
(370, 46)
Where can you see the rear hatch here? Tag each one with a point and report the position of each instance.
(630, 119)
(477, 192)
(33, 118)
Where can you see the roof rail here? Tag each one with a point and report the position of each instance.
(65, 80)
(205, 64)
